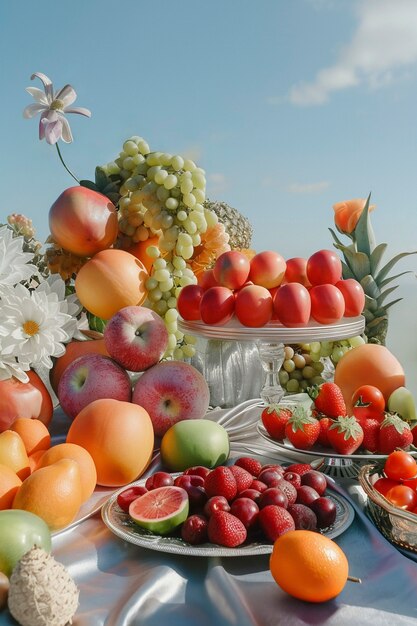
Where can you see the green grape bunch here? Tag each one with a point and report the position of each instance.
(162, 194)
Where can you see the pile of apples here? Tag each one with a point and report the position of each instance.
(135, 339)
(267, 288)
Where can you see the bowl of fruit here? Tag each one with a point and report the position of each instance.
(391, 489)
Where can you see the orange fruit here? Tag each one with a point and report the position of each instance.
(139, 248)
(73, 350)
(368, 364)
(76, 453)
(13, 453)
(54, 493)
(9, 484)
(109, 281)
(118, 435)
(33, 433)
(309, 566)
(34, 459)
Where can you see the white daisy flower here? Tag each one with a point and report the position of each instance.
(35, 324)
(15, 264)
(10, 367)
(53, 106)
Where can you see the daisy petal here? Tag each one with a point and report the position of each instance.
(79, 110)
(66, 131)
(53, 132)
(67, 95)
(38, 95)
(33, 109)
(47, 83)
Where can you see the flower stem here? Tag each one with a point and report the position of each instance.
(64, 164)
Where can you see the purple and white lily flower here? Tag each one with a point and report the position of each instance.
(53, 107)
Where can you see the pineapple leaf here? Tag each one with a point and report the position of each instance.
(388, 267)
(335, 237)
(384, 294)
(375, 322)
(365, 240)
(390, 304)
(368, 316)
(346, 271)
(358, 262)
(376, 257)
(390, 278)
(370, 287)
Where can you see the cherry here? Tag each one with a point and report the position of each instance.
(253, 494)
(273, 495)
(159, 479)
(216, 503)
(293, 478)
(194, 529)
(325, 510)
(306, 495)
(315, 479)
(246, 510)
(197, 470)
(270, 477)
(304, 517)
(128, 495)
(186, 480)
(258, 485)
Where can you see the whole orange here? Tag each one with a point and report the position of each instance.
(309, 566)
(368, 364)
(9, 484)
(118, 435)
(139, 251)
(109, 281)
(73, 350)
(33, 433)
(88, 472)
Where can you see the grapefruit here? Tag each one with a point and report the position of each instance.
(160, 510)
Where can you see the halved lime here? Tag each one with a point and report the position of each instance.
(160, 510)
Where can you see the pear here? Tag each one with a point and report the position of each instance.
(13, 453)
(401, 401)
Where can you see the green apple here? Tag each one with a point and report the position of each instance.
(20, 531)
(194, 442)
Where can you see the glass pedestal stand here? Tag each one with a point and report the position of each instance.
(271, 340)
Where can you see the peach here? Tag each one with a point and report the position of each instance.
(267, 269)
(83, 221)
(231, 269)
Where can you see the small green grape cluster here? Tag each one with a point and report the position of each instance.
(304, 364)
(163, 194)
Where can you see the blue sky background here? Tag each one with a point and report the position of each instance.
(289, 106)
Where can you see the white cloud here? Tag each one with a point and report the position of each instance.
(308, 188)
(382, 49)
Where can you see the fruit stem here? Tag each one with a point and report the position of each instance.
(64, 164)
(353, 579)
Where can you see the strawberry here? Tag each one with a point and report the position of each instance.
(325, 423)
(345, 435)
(221, 482)
(394, 433)
(274, 417)
(302, 429)
(253, 466)
(370, 429)
(226, 529)
(299, 468)
(328, 399)
(243, 478)
(275, 521)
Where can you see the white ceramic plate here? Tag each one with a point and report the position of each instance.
(122, 526)
(99, 496)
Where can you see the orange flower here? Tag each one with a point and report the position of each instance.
(347, 214)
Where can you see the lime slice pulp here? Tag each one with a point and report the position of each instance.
(160, 510)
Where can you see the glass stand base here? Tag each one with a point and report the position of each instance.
(339, 468)
(272, 357)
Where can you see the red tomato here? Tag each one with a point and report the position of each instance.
(217, 305)
(296, 271)
(231, 269)
(188, 303)
(353, 295)
(267, 269)
(327, 304)
(402, 497)
(410, 482)
(31, 399)
(383, 485)
(128, 495)
(368, 402)
(400, 465)
(292, 304)
(324, 267)
(253, 306)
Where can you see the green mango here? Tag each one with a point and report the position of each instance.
(401, 401)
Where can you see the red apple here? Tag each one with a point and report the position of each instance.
(296, 271)
(292, 304)
(172, 391)
(231, 269)
(253, 306)
(189, 300)
(31, 399)
(217, 305)
(136, 337)
(267, 269)
(83, 221)
(92, 377)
